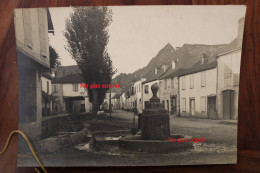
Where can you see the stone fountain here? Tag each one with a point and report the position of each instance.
(155, 130)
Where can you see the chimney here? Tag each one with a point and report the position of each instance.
(241, 23)
(173, 64)
(155, 70)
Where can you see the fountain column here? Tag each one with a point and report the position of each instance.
(155, 119)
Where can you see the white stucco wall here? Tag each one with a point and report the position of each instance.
(44, 85)
(68, 91)
(147, 96)
(35, 52)
(197, 91)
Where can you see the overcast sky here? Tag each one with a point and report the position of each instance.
(137, 33)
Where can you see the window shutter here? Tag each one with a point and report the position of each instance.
(42, 32)
(203, 103)
(183, 83)
(183, 104)
(191, 81)
(203, 79)
(27, 28)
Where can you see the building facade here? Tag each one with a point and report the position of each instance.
(31, 30)
(228, 84)
(197, 91)
(69, 95)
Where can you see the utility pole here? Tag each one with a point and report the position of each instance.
(110, 109)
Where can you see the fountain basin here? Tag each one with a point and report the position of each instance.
(136, 143)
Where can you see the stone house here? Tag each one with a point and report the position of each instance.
(228, 71)
(153, 78)
(168, 92)
(66, 87)
(138, 92)
(197, 89)
(31, 29)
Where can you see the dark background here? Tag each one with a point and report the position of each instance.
(249, 94)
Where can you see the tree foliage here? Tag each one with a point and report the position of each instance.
(87, 36)
(54, 58)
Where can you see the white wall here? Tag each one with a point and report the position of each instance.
(44, 85)
(68, 91)
(147, 96)
(197, 92)
(138, 93)
(35, 52)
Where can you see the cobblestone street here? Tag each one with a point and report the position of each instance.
(220, 146)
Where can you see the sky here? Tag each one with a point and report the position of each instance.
(138, 33)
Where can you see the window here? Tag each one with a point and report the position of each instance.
(160, 84)
(227, 76)
(172, 82)
(146, 89)
(235, 79)
(203, 79)
(203, 103)
(183, 104)
(75, 87)
(47, 86)
(55, 88)
(183, 82)
(165, 84)
(191, 81)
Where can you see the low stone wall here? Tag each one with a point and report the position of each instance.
(51, 127)
(57, 143)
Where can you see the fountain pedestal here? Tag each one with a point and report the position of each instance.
(155, 131)
(155, 120)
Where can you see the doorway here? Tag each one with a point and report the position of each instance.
(173, 105)
(228, 104)
(211, 108)
(192, 106)
(167, 106)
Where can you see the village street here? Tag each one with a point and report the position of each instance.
(220, 145)
(215, 131)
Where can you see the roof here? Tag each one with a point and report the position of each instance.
(189, 59)
(68, 74)
(66, 70)
(71, 78)
(50, 24)
(153, 76)
(47, 75)
(116, 96)
(197, 67)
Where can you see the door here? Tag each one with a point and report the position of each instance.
(173, 105)
(228, 104)
(192, 107)
(211, 108)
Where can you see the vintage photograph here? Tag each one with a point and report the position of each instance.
(129, 85)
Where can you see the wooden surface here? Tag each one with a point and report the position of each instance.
(249, 94)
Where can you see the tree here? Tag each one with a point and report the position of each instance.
(87, 36)
(54, 58)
